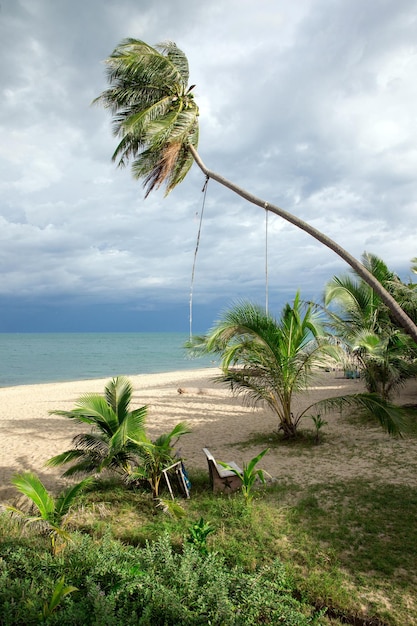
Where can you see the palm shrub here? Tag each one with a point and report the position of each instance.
(249, 474)
(318, 422)
(114, 428)
(157, 455)
(374, 343)
(52, 512)
(118, 439)
(271, 361)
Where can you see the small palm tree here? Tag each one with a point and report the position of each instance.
(249, 474)
(52, 513)
(379, 348)
(268, 360)
(155, 456)
(110, 444)
(156, 118)
(271, 361)
(60, 591)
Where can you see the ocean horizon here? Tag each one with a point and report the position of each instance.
(34, 358)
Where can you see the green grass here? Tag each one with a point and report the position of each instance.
(348, 547)
(367, 533)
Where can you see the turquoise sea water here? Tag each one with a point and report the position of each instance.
(27, 358)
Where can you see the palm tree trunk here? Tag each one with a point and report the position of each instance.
(402, 318)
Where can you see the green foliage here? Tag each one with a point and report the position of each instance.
(155, 456)
(172, 508)
(347, 545)
(59, 592)
(318, 422)
(154, 112)
(270, 360)
(51, 512)
(374, 343)
(198, 533)
(110, 443)
(118, 440)
(151, 586)
(249, 474)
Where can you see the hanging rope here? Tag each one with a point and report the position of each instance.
(266, 260)
(204, 190)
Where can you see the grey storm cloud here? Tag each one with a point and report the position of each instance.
(310, 105)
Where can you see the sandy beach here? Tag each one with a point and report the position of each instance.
(219, 421)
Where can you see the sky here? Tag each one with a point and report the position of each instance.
(310, 105)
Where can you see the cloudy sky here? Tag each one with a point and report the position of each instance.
(310, 105)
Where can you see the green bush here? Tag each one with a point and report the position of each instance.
(155, 585)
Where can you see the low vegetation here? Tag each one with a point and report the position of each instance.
(326, 554)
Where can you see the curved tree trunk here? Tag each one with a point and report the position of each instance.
(402, 318)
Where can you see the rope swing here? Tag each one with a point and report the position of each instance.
(204, 190)
(266, 260)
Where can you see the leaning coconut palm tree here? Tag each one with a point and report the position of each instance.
(110, 444)
(385, 355)
(156, 119)
(272, 361)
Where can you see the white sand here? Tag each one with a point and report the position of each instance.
(219, 421)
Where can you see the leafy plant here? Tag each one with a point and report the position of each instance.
(155, 456)
(270, 360)
(198, 533)
(249, 474)
(319, 422)
(111, 443)
(171, 507)
(60, 591)
(52, 512)
(373, 341)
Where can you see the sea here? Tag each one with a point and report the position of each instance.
(32, 358)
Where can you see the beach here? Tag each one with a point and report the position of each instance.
(223, 423)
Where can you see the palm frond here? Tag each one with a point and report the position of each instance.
(154, 112)
(132, 429)
(65, 457)
(118, 394)
(93, 409)
(165, 439)
(89, 464)
(67, 498)
(177, 58)
(31, 486)
(391, 417)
